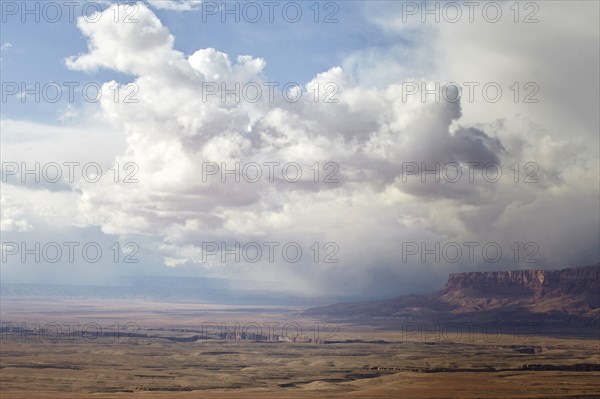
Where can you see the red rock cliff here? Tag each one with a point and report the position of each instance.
(582, 281)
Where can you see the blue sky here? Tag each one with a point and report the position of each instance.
(370, 133)
(295, 52)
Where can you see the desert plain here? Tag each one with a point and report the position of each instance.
(87, 348)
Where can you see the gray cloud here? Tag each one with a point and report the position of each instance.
(371, 134)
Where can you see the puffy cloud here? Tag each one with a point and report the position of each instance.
(135, 47)
(12, 218)
(361, 122)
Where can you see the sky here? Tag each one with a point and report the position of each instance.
(392, 142)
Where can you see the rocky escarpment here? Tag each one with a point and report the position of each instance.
(574, 291)
(557, 297)
(583, 281)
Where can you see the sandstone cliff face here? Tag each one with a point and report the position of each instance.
(562, 297)
(574, 282)
(526, 293)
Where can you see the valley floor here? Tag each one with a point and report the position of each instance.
(179, 351)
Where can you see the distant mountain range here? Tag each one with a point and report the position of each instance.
(556, 297)
(172, 289)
